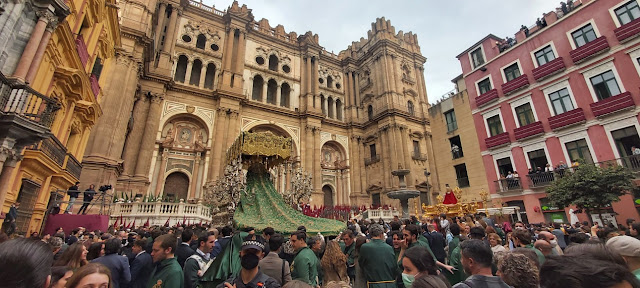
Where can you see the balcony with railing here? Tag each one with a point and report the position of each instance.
(26, 103)
(73, 166)
(418, 156)
(515, 84)
(52, 148)
(586, 51)
(549, 69)
(543, 179)
(371, 160)
(463, 182)
(497, 140)
(612, 104)
(527, 131)
(508, 185)
(487, 97)
(566, 119)
(628, 31)
(159, 212)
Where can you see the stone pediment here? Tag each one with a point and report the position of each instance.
(374, 188)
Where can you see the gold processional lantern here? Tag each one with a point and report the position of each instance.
(460, 209)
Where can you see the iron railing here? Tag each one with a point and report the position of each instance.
(374, 159)
(508, 184)
(52, 148)
(418, 156)
(73, 166)
(18, 98)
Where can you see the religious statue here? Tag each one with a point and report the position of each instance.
(168, 140)
(449, 197)
(185, 135)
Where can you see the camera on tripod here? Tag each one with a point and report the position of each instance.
(104, 188)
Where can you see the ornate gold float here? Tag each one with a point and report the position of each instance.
(460, 209)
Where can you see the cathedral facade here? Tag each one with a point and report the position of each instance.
(190, 78)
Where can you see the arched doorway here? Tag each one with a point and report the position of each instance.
(328, 195)
(176, 186)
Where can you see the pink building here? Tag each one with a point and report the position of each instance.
(565, 89)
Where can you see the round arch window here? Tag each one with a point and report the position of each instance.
(260, 60)
(286, 68)
(215, 47)
(186, 38)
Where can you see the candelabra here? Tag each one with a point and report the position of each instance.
(301, 188)
(226, 192)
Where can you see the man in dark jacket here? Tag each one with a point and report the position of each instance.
(184, 251)
(117, 264)
(221, 243)
(10, 220)
(86, 199)
(198, 263)
(73, 193)
(437, 243)
(141, 266)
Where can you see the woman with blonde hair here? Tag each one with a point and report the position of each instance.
(334, 263)
(91, 275)
(74, 257)
(496, 243)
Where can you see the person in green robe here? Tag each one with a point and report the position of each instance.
(522, 238)
(412, 237)
(455, 232)
(304, 265)
(377, 260)
(348, 247)
(167, 272)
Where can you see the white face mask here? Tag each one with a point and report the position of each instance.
(554, 243)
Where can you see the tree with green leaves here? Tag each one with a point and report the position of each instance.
(591, 188)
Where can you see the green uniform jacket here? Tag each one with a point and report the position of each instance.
(378, 262)
(351, 258)
(454, 260)
(303, 267)
(169, 273)
(540, 255)
(455, 242)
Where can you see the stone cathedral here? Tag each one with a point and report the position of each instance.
(189, 78)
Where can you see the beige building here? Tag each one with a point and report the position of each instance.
(208, 74)
(457, 159)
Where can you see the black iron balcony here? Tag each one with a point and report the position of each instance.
(21, 100)
(73, 166)
(418, 156)
(373, 159)
(52, 148)
(508, 185)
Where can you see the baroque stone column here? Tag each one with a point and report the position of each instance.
(317, 171)
(160, 174)
(44, 17)
(37, 58)
(195, 176)
(221, 125)
(187, 75)
(148, 139)
(132, 146)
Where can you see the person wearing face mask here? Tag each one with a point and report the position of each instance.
(420, 270)
(250, 275)
(552, 240)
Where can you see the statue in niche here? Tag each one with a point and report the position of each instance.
(168, 139)
(199, 142)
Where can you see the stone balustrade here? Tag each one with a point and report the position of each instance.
(159, 212)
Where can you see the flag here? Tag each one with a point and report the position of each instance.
(133, 225)
(124, 224)
(166, 224)
(146, 224)
(184, 220)
(200, 222)
(115, 224)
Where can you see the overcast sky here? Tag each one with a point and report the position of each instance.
(444, 27)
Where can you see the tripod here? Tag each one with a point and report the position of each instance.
(101, 197)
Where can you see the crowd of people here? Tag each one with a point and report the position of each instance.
(459, 252)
